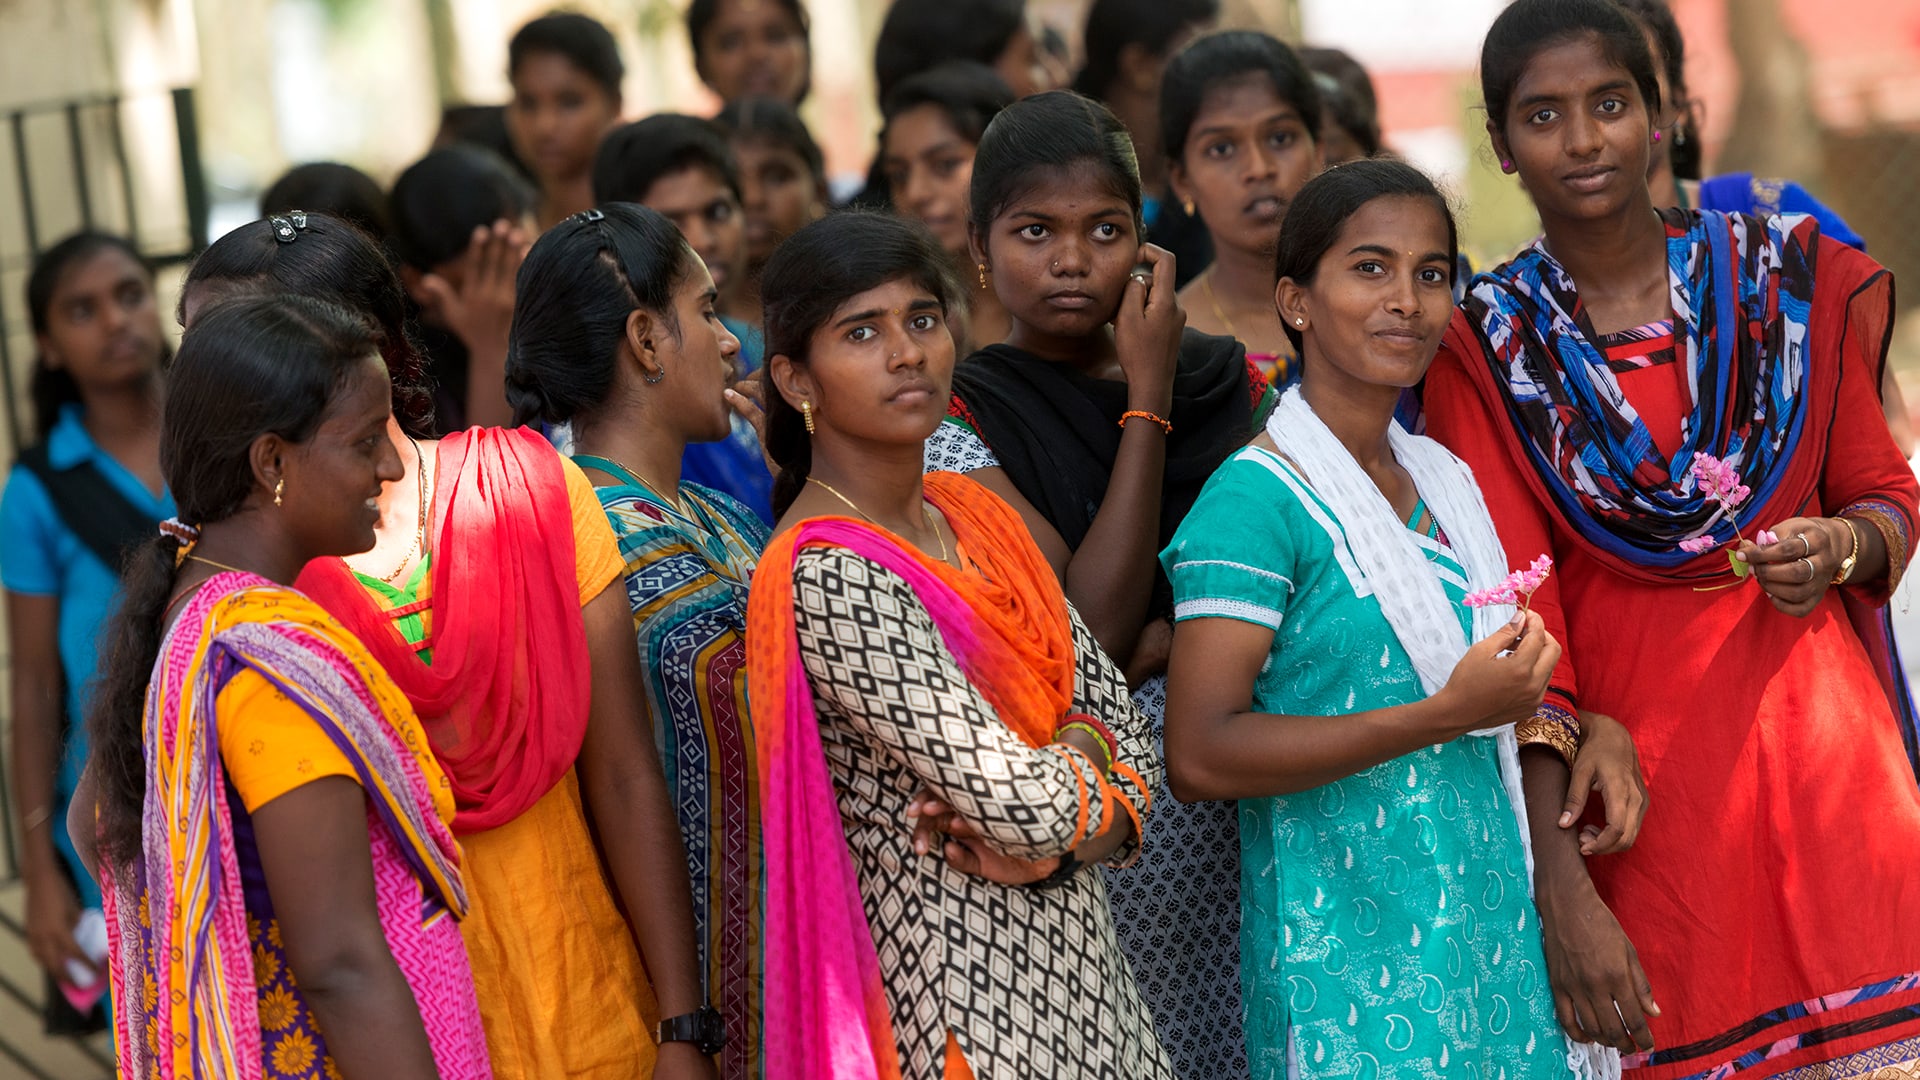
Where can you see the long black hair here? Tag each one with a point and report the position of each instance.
(968, 94)
(1658, 20)
(775, 121)
(259, 365)
(331, 259)
(1047, 133)
(1321, 209)
(576, 288)
(580, 39)
(633, 157)
(53, 389)
(332, 188)
(816, 270)
(440, 199)
(1112, 25)
(1529, 27)
(1224, 57)
(921, 34)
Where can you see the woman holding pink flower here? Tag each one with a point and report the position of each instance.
(1347, 663)
(1680, 408)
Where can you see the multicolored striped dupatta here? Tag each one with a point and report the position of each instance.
(181, 957)
(1007, 627)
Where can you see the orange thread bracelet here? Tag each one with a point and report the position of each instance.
(1145, 415)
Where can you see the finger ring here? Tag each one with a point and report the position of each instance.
(1805, 546)
(1809, 563)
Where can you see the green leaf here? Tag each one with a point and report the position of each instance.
(1740, 567)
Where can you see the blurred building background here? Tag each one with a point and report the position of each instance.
(166, 118)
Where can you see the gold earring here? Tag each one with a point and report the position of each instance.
(1187, 205)
(983, 275)
(806, 414)
(279, 488)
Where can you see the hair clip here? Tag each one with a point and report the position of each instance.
(593, 215)
(179, 530)
(287, 228)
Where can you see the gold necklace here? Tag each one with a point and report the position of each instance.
(1206, 282)
(671, 500)
(220, 565)
(924, 514)
(420, 528)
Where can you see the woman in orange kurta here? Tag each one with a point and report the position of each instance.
(1772, 892)
(512, 642)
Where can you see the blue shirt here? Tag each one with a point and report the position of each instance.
(42, 557)
(1742, 193)
(734, 464)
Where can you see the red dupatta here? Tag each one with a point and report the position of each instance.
(504, 727)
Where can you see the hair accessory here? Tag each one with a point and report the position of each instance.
(1656, 134)
(1145, 415)
(279, 489)
(806, 413)
(180, 533)
(983, 275)
(286, 229)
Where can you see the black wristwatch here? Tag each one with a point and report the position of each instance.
(1070, 865)
(703, 1028)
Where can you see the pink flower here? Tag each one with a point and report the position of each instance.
(1719, 481)
(1518, 586)
(1765, 536)
(1699, 544)
(1499, 594)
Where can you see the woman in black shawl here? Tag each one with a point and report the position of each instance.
(1098, 419)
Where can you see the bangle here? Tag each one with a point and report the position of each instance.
(1845, 569)
(1078, 723)
(1145, 415)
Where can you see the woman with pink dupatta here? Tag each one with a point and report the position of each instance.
(945, 752)
(283, 888)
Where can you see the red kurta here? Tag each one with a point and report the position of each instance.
(1780, 859)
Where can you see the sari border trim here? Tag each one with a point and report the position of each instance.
(1859, 1022)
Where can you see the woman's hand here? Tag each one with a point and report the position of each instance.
(1600, 992)
(480, 310)
(1795, 570)
(53, 911)
(1150, 653)
(748, 399)
(682, 1061)
(1146, 333)
(1501, 680)
(1607, 762)
(938, 828)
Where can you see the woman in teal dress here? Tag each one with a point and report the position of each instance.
(1322, 673)
(616, 334)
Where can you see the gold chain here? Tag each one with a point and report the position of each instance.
(672, 500)
(220, 565)
(419, 529)
(1206, 282)
(924, 514)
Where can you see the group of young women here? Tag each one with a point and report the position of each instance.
(418, 751)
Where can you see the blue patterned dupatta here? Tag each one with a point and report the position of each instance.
(1741, 290)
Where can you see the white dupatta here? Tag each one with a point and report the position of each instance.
(1411, 597)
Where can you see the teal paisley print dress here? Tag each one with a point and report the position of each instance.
(1387, 932)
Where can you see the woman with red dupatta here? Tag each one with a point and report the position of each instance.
(1771, 894)
(493, 599)
(944, 749)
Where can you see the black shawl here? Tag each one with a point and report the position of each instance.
(1056, 431)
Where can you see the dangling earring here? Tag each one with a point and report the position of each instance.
(983, 275)
(279, 488)
(806, 414)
